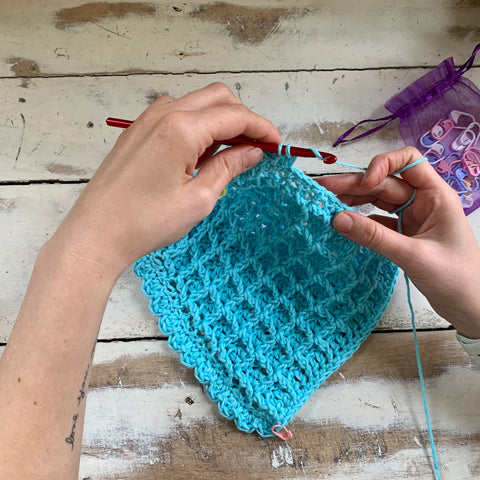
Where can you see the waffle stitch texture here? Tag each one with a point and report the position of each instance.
(263, 299)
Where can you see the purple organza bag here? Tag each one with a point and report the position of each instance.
(440, 115)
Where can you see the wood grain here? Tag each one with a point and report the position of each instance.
(150, 363)
(148, 418)
(80, 37)
(54, 129)
(314, 67)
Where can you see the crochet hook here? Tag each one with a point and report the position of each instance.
(243, 140)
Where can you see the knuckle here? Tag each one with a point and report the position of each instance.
(170, 128)
(373, 238)
(148, 118)
(205, 200)
(412, 153)
(223, 91)
(176, 123)
(164, 98)
(447, 196)
(154, 112)
(241, 109)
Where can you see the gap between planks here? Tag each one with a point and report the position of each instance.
(220, 72)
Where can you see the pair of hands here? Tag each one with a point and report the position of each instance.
(144, 196)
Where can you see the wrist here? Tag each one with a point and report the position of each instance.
(460, 306)
(78, 259)
(94, 235)
(466, 322)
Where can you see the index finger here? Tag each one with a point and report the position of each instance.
(228, 121)
(216, 93)
(212, 95)
(420, 176)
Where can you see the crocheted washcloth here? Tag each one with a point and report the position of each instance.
(263, 298)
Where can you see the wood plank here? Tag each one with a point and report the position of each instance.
(157, 36)
(30, 214)
(315, 68)
(54, 129)
(148, 418)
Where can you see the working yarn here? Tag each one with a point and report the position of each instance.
(263, 298)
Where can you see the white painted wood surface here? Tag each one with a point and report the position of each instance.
(314, 68)
(250, 35)
(54, 128)
(145, 409)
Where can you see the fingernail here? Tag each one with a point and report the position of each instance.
(343, 222)
(253, 156)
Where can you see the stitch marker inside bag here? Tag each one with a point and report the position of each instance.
(439, 114)
(453, 150)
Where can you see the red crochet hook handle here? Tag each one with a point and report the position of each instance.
(243, 140)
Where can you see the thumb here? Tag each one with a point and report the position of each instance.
(217, 172)
(375, 236)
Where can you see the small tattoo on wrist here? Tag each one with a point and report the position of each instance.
(81, 392)
(71, 438)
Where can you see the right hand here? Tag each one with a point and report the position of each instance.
(145, 195)
(437, 250)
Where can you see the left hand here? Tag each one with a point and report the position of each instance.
(437, 250)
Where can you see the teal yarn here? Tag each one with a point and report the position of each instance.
(263, 299)
(436, 468)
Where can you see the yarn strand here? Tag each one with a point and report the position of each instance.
(345, 164)
(422, 381)
(400, 211)
(417, 351)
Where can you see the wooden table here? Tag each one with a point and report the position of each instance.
(314, 67)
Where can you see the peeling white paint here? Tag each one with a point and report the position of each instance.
(282, 456)
(117, 417)
(142, 415)
(455, 464)
(105, 353)
(452, 400)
